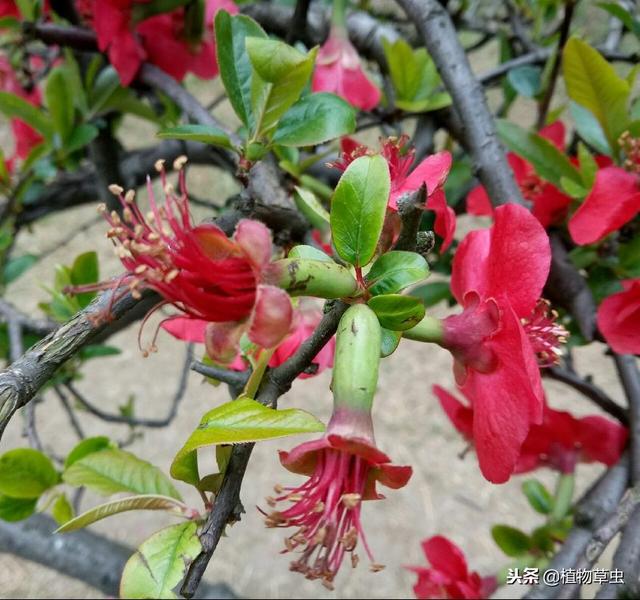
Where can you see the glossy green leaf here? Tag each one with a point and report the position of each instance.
(311, 208)
(111, 471)
(587, 165)
(81, 136)
(315, 119)
(510, 540)
(15, 267)
(589, 129)
(26, 473)
(573, 189)
(525, 80)
(60, 103)
(16, 509)
(142, 502)
(432, 293)
(238, 421)
(85, 270)
(280, 74)
(396, 270)
(538, 496)
(309, 252)
(62, 511)
(389, 342)
(547, 160)
(207, 134)
(631, 22)
(88, 446)
(160, 563)
(235, 67)
(594, 84)
(358, 209)
(98, 351)
(13, 106)
(397, 312)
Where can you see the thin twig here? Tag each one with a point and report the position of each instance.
(73, 419)
(233, 378)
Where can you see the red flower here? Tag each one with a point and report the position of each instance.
(432, 172)
(158, 39)
(343, 468)
(338, 71)
(9, 8)
(497, 276)
(612, 202)
(619, 318)
(449, 576)
(550, 205)
(200, 271)
(26, 138)
(559, 442)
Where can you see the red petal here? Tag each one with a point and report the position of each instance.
(432, 171)
(602, 440)
(393, 476)
(555, 133)
(469, 265)
(613, 201)
(222, 340)
(272, 316)
(550, 206)
(478, 202)
(460, 415)
(619, 319)
(446, 557)
(185, 328)
(519, 259)
(255, 239)
(126, 55)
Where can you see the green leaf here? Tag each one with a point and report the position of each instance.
(630, 22)
(547, 160)
(16, 509)
(81, 136)
(85, 270)
(235, 67)
(311, 208)
(26, 473)
(389, 342)
(13, 106)
(510, 540)
(525, 80)
(62, 511)
(589, 128)
(104, 87)
(538, 496)
(207, 134)
(15, 267)
(309, 252)
(280, 74)
(143, 502)
(159, 564)
(573, 189)
(397, 312)
(358, 209)
(239, 421)
(60, 103)
(594, 84)
(588, 166)
(432, 293)
(315, 119)
(396, 270)
(98, 351)
(629, 255)
(111, 471)
(87, 446)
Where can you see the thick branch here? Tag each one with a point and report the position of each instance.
(82, 555)
(479, 132)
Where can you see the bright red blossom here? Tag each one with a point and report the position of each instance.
(343, 468)
(619, 318)
(497, 276)
(432, 172)
(158, 39)
(338, 71)
(449, 576)
(550, 205)
(559, 442)
(200, 271)
(612, 202)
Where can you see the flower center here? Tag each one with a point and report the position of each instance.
(545, 334)
(631, 147)
(399, 157)
(326, 513)
(531, 186)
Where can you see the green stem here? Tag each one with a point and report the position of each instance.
(339, 15)
(428, 330)
(252, 386)
(563, 497)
